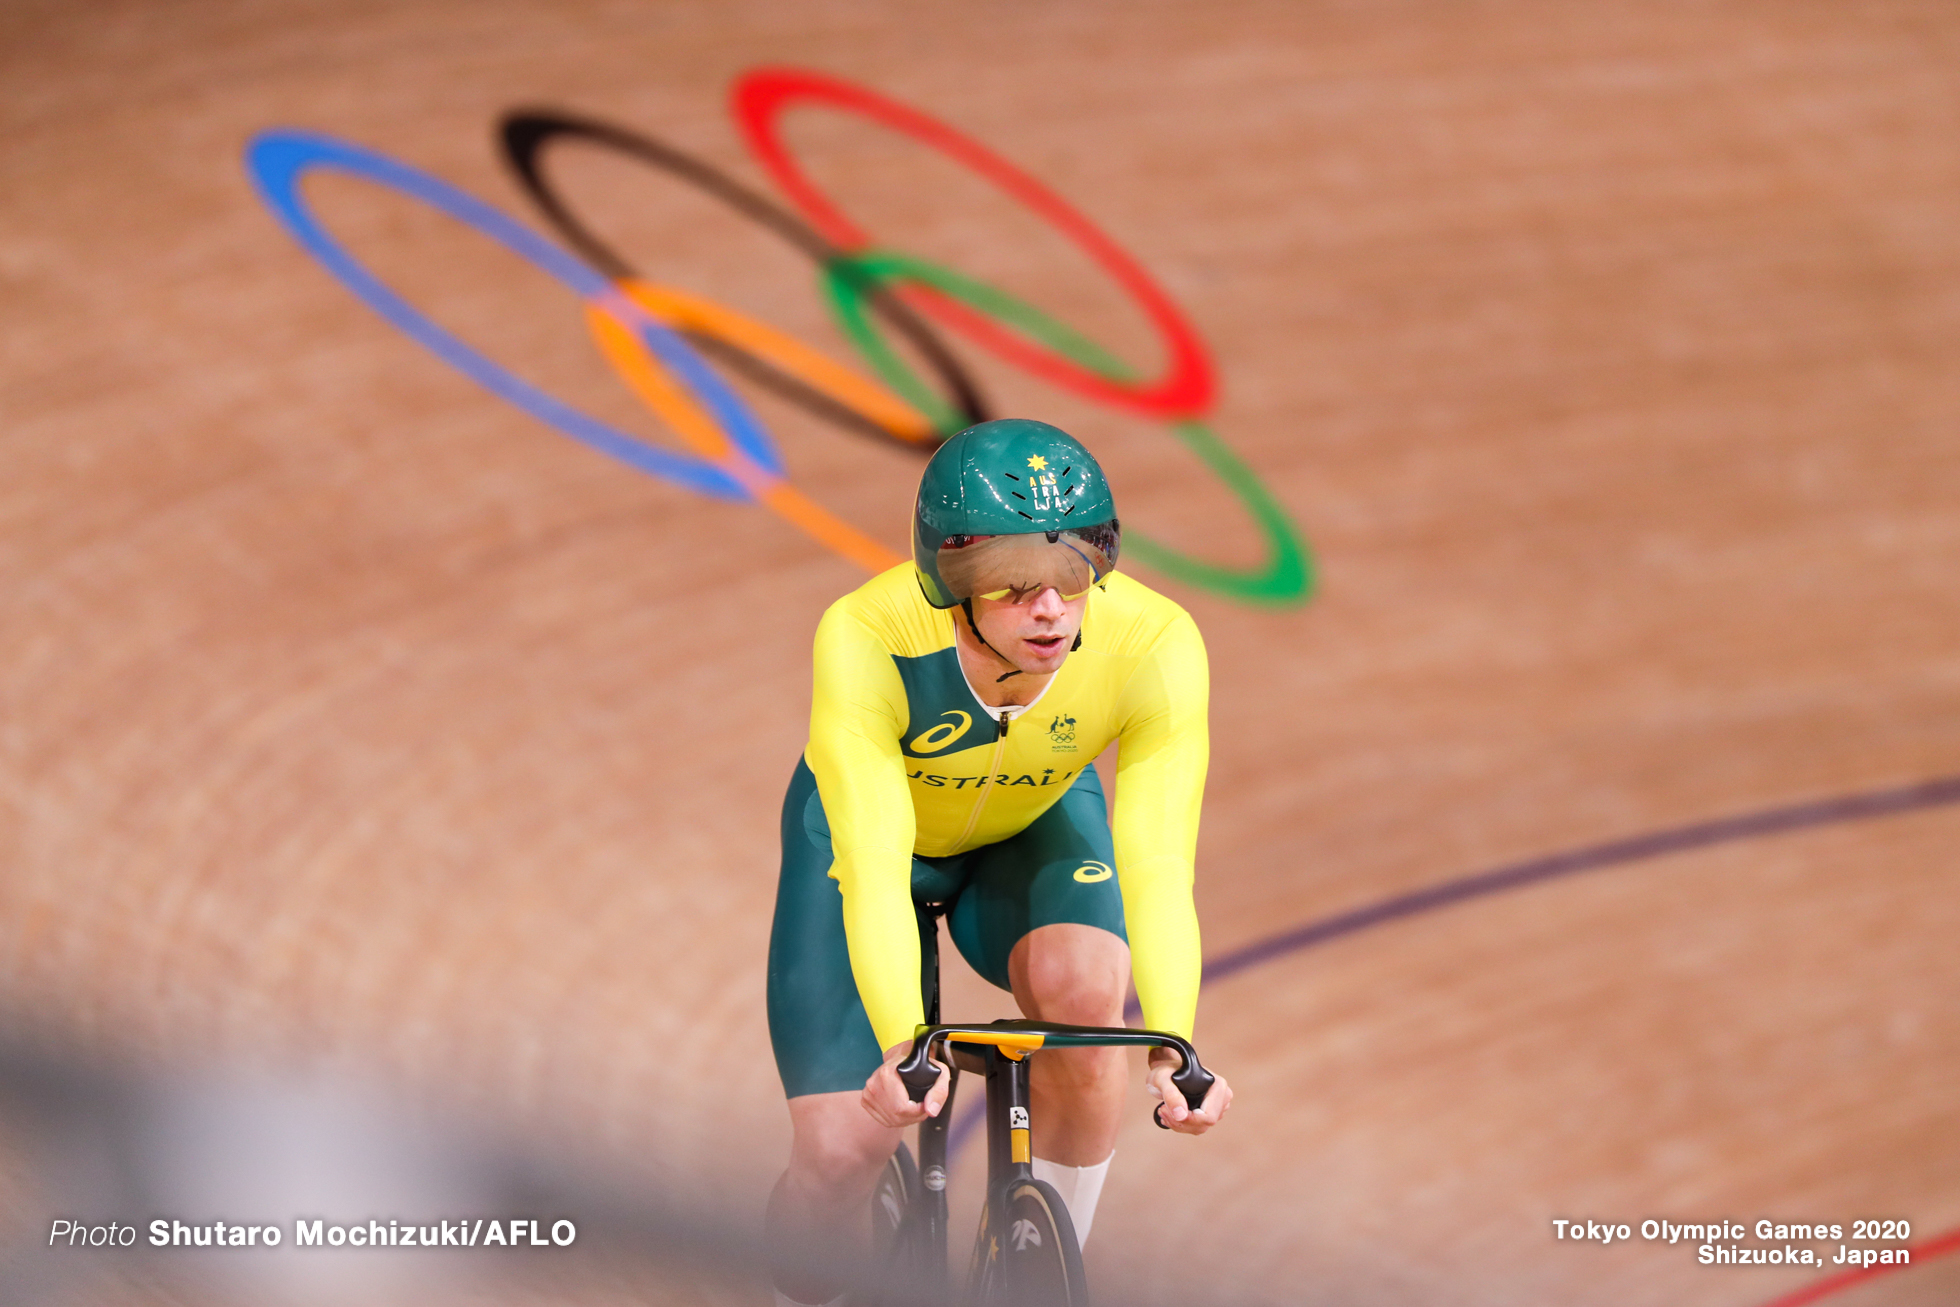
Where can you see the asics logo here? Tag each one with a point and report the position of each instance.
(940, 736)
(1091, 872)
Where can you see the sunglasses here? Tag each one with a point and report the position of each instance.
(1021, 594)
(1017, 568)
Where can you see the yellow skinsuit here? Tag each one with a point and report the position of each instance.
(907, 760)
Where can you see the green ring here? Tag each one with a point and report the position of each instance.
(1286, 579)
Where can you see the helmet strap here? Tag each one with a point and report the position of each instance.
(966, 606)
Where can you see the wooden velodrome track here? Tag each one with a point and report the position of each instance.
(359, 724)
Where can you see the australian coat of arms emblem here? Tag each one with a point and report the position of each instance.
(1061, 733)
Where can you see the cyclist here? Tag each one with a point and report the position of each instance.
(959, 704)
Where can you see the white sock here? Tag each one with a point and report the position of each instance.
(1080, 1187)
(784, 1300)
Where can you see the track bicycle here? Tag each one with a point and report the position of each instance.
(1025, 1252)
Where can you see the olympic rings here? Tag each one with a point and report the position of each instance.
(1284, 575)
(1188, 387)
(525, 133)
(650, 333)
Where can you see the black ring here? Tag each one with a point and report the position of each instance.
(524, 133)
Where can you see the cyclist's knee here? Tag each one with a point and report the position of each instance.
(839, 1162)
(1073, 974)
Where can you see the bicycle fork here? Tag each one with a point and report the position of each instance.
(1010, 1158)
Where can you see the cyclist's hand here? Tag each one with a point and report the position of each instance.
(1172, 1112)
(885, 1097)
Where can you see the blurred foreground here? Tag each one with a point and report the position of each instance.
(96, 1146)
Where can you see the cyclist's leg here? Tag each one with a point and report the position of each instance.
(825, 1051)
(817, 1217)
(1043, 917)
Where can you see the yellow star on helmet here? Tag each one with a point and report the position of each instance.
(1037, 462)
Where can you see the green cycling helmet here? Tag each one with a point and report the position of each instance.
(1008, 508)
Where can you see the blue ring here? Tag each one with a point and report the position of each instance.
(278, 159)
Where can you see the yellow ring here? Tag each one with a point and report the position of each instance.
(644, 375)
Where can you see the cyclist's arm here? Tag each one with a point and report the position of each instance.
(857, 716)
(1160, 781)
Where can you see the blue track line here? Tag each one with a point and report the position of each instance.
(1593, 857)
(1808, 815)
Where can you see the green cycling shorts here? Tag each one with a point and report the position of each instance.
(999, 892)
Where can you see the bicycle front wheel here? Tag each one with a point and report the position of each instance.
(891, 1201)
(1033, 1261)
(900, 1244)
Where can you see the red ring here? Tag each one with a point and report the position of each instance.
(1187, 387)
